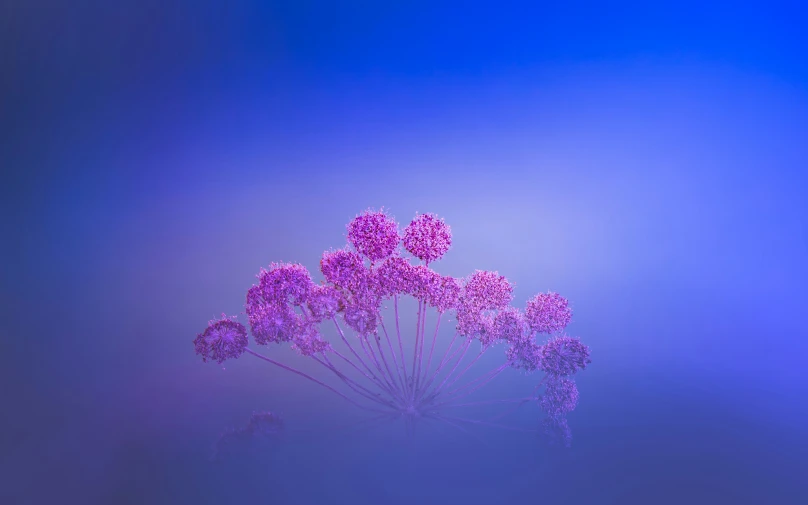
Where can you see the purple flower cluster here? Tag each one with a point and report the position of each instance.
(286, 306)
(560, 396)
(397, 276)
(361, 316)
(445, 294)
(559, 357)
(524, 355)
(374, 234)
(221, 340)
(271, 321)
(309, 342)
(510, 326)
(482, 293)
(394, 276)
(427, 237)
(548, 313)
(285, 282)
(345, 270)
(324, 302)
(564, 356)
(275, 308)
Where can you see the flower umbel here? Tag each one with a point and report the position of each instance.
(349, 326)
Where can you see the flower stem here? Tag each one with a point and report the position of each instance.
(303, 374)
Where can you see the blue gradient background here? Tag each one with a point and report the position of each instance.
(649, 163)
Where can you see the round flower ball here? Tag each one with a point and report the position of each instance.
(374, 234)
(564, 356)
(427, 237)
(221, 340)
(548, 313)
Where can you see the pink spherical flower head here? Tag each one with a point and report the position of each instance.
(345, 270)
(324, 302)
(548, 312)
(285, 282)
(374, 234)
(441, 292)
(427, 237)
(482, 292)
(485, 331)
(525, 355)
(221, 340)
(425, 282)
(445, 294)
(361, 314)
(309, 342)
(271, 321)
(470, 323)
(510, 326)
(564, 356)
(486, 291)
(394, 276)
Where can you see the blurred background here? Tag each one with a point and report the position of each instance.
(648, 161)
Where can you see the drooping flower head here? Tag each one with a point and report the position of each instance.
(564, 356)
(223, 339)
(427, 237)
(560, 396)
(548, 313)
(374, 234)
